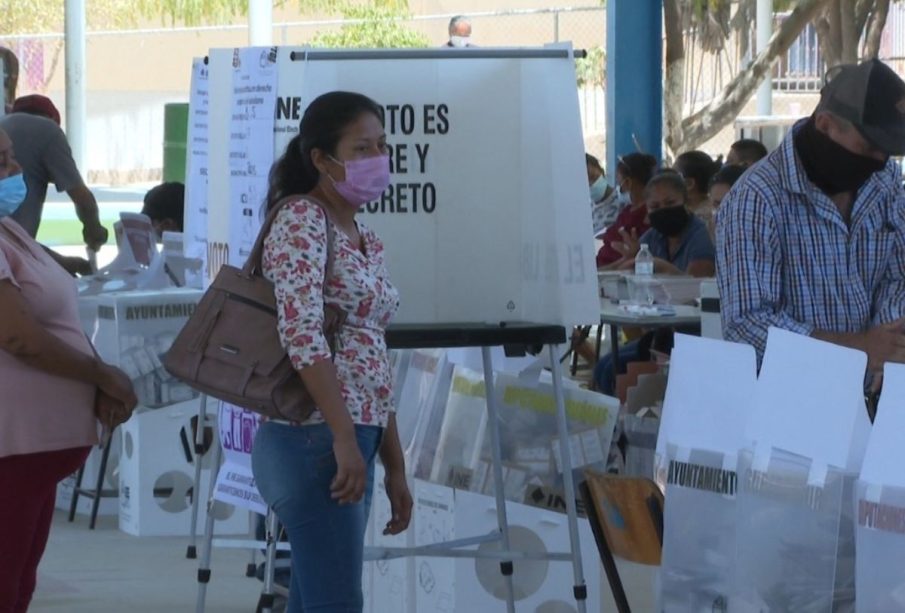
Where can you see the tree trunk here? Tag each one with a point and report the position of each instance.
(674, 85)
(875, 29)
(829, 33)
(851, 32)
(707, 122)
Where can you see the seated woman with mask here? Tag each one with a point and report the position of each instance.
(680, 244)
(677, 238)
(632, 174)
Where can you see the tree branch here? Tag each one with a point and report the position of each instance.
(674, 87)
(822, 26)
(850, 32)
(707, 122)
(875, 29)
(862, 11)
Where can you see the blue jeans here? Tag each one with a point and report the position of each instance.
(603, 372)
(293, 467)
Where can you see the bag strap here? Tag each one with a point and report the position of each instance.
(254, 263)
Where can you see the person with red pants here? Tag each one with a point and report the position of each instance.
(53, 391)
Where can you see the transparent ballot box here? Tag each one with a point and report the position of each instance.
(880, 536)
(699, 532)
(788, 534)
(455, 442)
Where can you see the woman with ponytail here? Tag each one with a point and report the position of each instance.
(317, 475)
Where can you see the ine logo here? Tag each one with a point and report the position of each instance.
(552, 499)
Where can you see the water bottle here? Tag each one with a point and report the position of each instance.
(644, 262)
(644, 271)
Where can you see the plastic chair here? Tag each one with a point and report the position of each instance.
(626, 516)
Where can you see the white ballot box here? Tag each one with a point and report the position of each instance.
(156, 474)
(134, 332)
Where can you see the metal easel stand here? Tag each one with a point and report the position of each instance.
(251, 544)
(412, 337)
(455, 548)
(192, 551)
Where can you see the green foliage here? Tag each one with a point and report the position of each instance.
(194, 12)
(591, 69)
(372, 27)
(37, 16)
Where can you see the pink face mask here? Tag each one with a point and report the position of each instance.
(366, 179)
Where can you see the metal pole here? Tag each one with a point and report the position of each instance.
(204, 568)
(192, 551)
(260, 23)
(75, 80)
(764, 33)
(506, 566)
(579, 589)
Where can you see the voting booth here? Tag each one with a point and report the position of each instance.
(486, 220)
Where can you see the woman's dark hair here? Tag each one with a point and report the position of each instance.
(727, 175)
(321, 128)
(639, 167)
(698, 166)
(672, 180)
(590, 160)
(749, 150)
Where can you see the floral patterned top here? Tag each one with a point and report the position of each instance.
(295, 260)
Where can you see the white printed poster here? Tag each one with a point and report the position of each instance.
(195, 217)
(486, 218)
(250, 144)
(235, 482)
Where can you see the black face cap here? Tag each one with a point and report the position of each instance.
(872, 97)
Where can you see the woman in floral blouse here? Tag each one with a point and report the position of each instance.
(317, 475)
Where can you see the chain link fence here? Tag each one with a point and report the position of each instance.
(132, 74)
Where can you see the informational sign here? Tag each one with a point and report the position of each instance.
(220, 83)
(235, 481)
(195, 218)
(254, 90)
(486, 218)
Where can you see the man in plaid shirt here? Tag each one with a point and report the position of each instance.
(812, 238)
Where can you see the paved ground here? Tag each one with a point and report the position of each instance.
(107, 571)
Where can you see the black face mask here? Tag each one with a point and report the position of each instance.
(830, 166)
(670, 221)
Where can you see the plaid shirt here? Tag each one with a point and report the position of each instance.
(786, 258)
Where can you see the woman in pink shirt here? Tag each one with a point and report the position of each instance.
(54, 391)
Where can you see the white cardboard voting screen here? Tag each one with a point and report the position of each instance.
(885, 453)
(195, 215)
(486, 218)
(218, 187)
(810, 402)
(709, 396)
